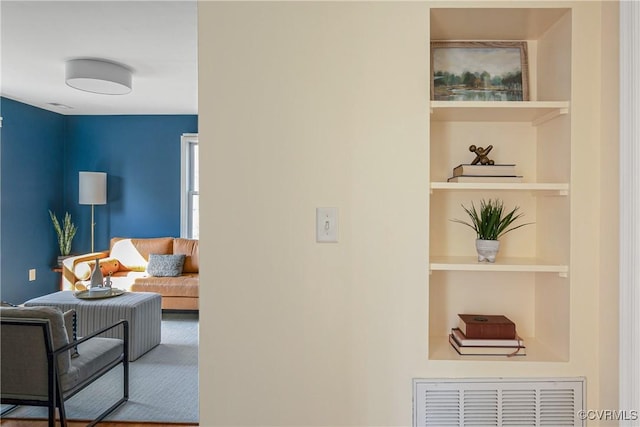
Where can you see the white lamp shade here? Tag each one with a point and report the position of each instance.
(97, 76)
(93, 188)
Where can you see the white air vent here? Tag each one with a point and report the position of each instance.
(498, 402)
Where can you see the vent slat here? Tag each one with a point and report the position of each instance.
(444, 418)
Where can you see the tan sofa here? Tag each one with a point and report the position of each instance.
(127, 261)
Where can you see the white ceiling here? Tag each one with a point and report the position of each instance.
(156, 39)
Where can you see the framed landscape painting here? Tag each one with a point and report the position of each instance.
(479, 71)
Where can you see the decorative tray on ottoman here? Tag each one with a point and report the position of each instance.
(107, 293)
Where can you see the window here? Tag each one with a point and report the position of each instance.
(190, 189)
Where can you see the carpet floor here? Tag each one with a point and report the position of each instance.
(163, 383)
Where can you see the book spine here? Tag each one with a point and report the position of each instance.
(486, 351)
(496, 170)
(490, 331)
(485, 178)
(463, 341)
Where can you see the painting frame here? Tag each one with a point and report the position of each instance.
(486, 50)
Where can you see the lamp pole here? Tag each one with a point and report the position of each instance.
(93, 226)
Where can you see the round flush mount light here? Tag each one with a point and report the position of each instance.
(97, 76)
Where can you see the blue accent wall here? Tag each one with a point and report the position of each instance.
(42, 153)
(32, 153)
(141, 156)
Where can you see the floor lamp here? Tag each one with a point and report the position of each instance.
(92, 191)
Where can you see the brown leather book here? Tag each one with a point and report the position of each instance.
(483, 326)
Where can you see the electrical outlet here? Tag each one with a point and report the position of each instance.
(32, 274)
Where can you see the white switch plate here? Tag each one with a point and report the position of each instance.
(32, 274)
(327, 225)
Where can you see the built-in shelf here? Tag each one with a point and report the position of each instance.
(440, 349)
(560, 189)
(470, 263)
(535, 112)
(530, 280)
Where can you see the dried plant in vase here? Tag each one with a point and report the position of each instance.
(65, 233)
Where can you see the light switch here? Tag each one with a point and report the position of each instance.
(327, 225)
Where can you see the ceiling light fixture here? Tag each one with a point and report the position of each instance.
(97, 76)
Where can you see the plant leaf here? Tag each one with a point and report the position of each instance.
(491, 222)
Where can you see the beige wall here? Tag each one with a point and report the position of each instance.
(609, 236)
(305, 105)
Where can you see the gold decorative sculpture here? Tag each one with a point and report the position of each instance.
(481, 155)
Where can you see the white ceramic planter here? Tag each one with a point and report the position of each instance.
(487, 250)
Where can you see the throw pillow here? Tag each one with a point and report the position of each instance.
(84, 269)
(165, 265)
(70, 324)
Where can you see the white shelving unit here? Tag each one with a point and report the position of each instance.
(530, 281)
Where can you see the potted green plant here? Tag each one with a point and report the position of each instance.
(65, 233)
(490, 223)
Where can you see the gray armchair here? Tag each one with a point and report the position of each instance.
(43, 365)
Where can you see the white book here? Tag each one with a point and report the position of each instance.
(486, 351)
(493, 170)
(462, 340)
(484, 178)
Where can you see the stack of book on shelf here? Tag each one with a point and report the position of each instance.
(486, 335)
(485, 173)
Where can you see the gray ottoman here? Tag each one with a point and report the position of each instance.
(142, 310)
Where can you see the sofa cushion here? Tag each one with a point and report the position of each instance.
(93, 355)
(165, 265)
(124, 279)
(133, 254)
(188, 247)
(181, 286)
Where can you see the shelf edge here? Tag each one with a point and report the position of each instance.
(560, 269)
(561, 189)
